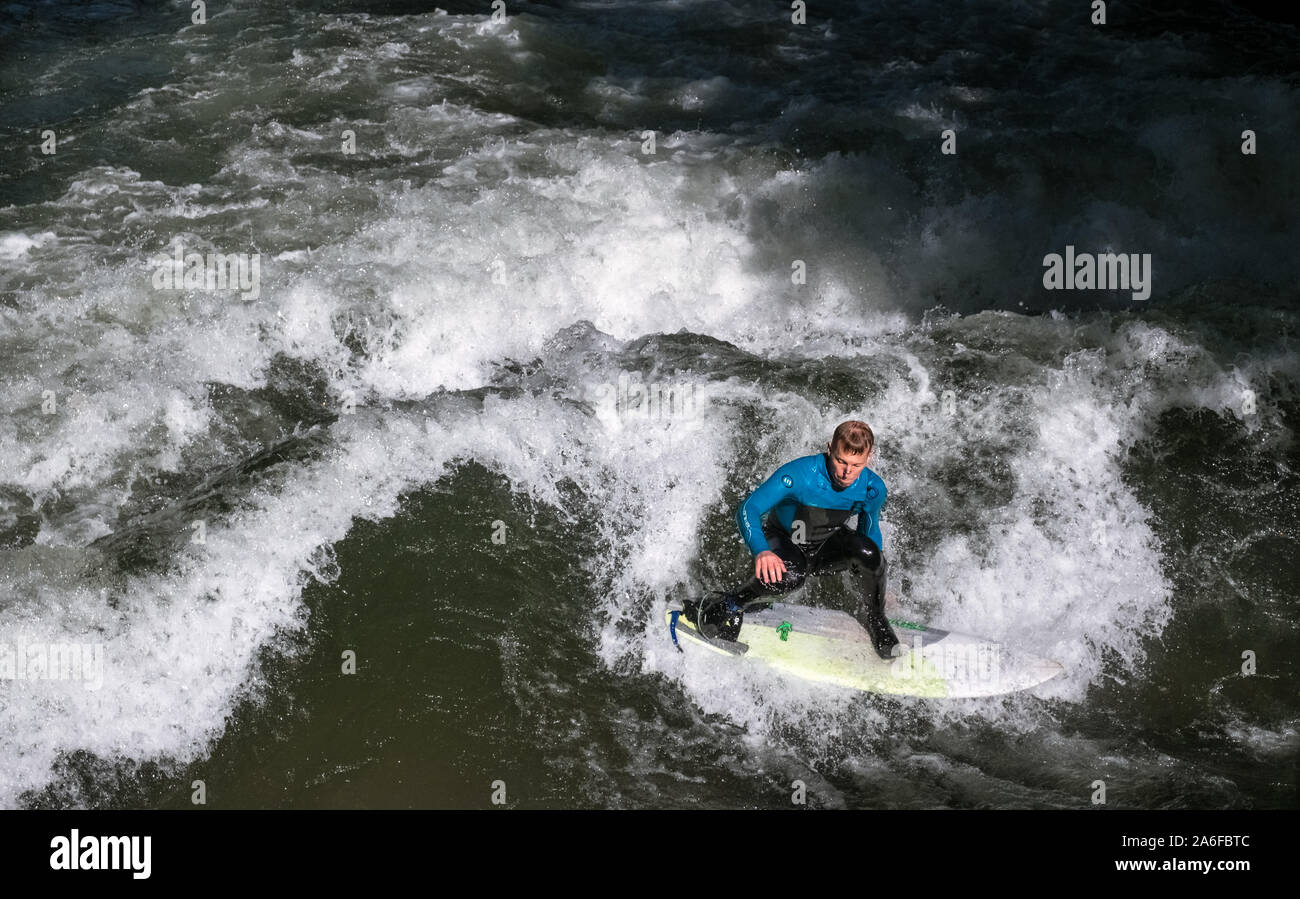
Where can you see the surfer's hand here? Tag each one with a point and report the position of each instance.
(769, 568)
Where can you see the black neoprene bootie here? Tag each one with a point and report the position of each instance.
(691, 611)
(721, 617)
(882, 635)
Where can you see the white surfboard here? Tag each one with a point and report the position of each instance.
(828, 646)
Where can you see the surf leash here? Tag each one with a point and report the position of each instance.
(672, 628)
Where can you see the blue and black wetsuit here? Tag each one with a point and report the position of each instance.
(808, 529)
(803, 491)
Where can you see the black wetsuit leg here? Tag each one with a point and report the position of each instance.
(753, 594)
(721, 614)
(847, 549)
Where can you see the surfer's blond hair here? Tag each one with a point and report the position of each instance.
(854, 437)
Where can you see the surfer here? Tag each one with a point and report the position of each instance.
(811, 499)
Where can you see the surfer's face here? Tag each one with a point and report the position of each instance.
(845, 466)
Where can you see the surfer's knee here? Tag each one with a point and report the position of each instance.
(794, 561)
(867, 556)
(791, 580)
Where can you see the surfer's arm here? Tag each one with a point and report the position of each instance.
(869, 520)
(749, 515)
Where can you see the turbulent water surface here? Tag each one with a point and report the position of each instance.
(522, 321)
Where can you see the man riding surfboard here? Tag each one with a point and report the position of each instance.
(810, 500)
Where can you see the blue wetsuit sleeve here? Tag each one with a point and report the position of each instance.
(869, 520)
(749, 515)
